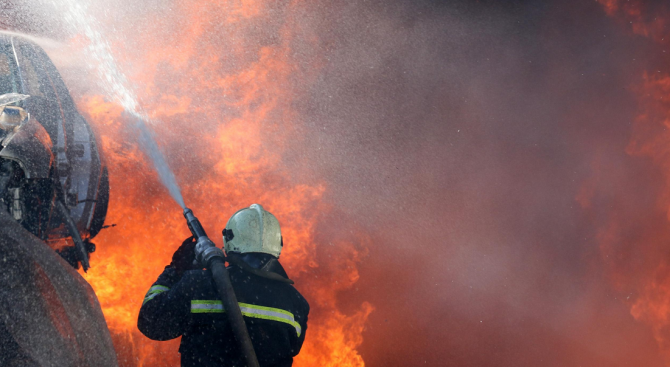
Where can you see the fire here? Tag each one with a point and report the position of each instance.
(641, 16)
(649, 285)
(651, 139)
(222, 106)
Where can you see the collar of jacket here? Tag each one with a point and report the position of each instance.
(269, 269)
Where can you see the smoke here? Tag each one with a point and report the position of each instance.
(464, 136)
(481, 146)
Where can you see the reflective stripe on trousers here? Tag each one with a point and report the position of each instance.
(248, 310)
(154, 291)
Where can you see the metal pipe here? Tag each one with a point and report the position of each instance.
(212, 258)
(6, 173)
(82, 254)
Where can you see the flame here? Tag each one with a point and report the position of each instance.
(651, 139)
(222, 112)
(641, 16)
(647, 286)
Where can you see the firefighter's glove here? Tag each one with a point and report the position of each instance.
(183, 258)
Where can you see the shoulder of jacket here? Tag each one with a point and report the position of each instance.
(300, 299)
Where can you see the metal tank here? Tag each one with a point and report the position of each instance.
(59, 189)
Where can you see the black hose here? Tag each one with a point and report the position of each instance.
(212, 258)
(229, 300)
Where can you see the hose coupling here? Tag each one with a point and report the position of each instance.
(206, 251)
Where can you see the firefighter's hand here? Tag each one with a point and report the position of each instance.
(182, 260)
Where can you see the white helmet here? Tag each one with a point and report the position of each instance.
(253, 229)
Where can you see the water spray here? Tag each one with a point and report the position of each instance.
(165, 174)
(117, 86)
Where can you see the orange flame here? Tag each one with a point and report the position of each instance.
(225, 119)
(641, 17)
(651, 139)
(648, 286)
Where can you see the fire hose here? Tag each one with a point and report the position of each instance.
(213, 259)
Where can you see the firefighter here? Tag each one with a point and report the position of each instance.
(184, 301)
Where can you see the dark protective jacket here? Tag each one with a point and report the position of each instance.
(189, 306)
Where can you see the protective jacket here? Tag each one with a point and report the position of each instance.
(189, 306)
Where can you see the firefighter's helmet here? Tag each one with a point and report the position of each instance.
(253, 229)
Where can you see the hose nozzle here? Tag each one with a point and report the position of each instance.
(194, 224)
(205, 250)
